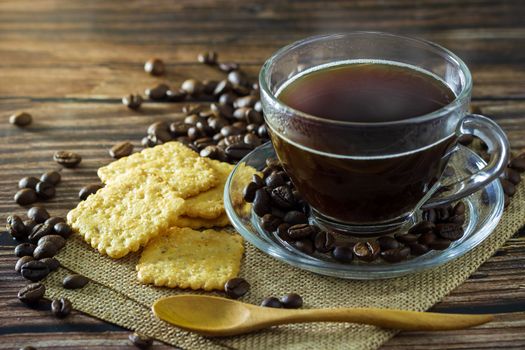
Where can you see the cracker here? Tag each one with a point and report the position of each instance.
(195, 223)
(126, 214)
(210, 204)
(186, 258)
(182, 169)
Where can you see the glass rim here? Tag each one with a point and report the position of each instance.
(458, 100)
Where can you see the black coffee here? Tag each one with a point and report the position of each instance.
(363, 190)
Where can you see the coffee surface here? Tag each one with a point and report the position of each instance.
(366, 92)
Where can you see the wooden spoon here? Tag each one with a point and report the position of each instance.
(214, 316)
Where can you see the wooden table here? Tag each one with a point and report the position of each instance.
(69, 62)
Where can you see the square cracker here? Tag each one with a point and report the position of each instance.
(182, 169)
(195, 223)
(186, 258)
(126, 214)
(210, 204)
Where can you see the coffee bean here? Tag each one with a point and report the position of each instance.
(291, 301)
(283, 197)
(28, 348)
(175, 95)
(236, 77)
(132, 101)
(442, 213)
(271, 302)
(229, 130)
(58, 241)
(278, 212)
(508, 187)
(30, 225)
(240, 125)
(406, 238)
(54, 220)
(39, 231)
(451, 232)
(24, 249)
(343, 254)
(263, 132)
(38, 214)
(217, 123)
(429, 215)
(253, 117)
(160, 130)
(52, 177)
(34, 270)
(459, 208)
(395, 255)
(67, 159)
(228, 66)
(193, 87)
(214, 152)
(295, 217)
(16, 228)
(32, 293)
(227, 98)
(386, 243)
(301, 231)
(236, 287)
(512, 175)
(439, 244)
(208, 89)
(518, 163)
(282, 232)
(45, 190)
(28, 182)
(249, 192)
(192, 120)
(61, 307)
(179, 129)
(21, 119)
(421, 227)
(204, 128)
(270, 222)
(246, 101)
(466, 139)
(275, 180)
(22, 261)
(366, 251)
(304, 245)
(154, 66)
(208, 57)
(74, 281)
(140, 341)
(121, 149)
(427, 238)
(324, 241)
(52, 263)
(25, 196)
(157, 93)
(148, 141)
(238, 151)
(88, 190)
(418, 248)
(45, 250)
(261, 202)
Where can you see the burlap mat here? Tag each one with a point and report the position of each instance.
(116, 297)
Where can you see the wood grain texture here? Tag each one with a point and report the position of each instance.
(69, 62)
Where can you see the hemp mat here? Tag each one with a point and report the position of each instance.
(114, 295)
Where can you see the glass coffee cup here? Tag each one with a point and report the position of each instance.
(371, 176)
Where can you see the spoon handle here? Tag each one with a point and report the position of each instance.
(388, 318)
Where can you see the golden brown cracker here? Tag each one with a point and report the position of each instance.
(186, 258)
(126, 214)
(196, 223)
(182, 169)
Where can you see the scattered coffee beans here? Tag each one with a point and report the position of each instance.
(140, 341)
(45, 190)
(74, 281)
(39, 231)
(51, 263)
(34, 270)
(21, 119)
(271, 302)
(88, 190)
(38, 214)
(62, 229)
(208, 57)
(52, 177)
(132, 101)
(61, 307)
(236, 287)
(343, 254)
(121, 149)
(22, 261)
(25, 196)
(32, 293)
(46, 249)
(24, 249)
(154, 66)
(67, 159)
(16, 227)
(28, 182)
(291, 301)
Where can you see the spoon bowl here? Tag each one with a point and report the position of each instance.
(215, 316)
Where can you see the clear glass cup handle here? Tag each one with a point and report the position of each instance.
(495, 138)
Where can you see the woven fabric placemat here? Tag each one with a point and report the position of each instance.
(115, 296)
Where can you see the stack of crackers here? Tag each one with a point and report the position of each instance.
(157, 200)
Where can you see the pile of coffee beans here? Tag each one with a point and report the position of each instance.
(32, 189)
(283, 212)
(226, 123)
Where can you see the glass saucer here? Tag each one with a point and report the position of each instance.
(484, 210)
